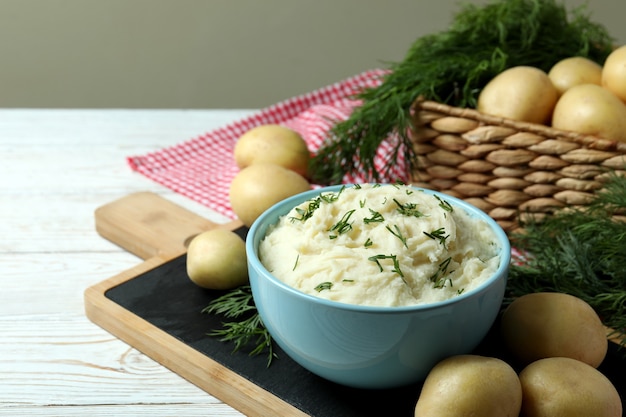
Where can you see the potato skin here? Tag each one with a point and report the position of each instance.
(573, 71)
(259, 186)
(592, 110)
(470, 385)
(547, 324)
(565, 387)
(614, 73)
(520, 93)
(273, 144)
(216, 259)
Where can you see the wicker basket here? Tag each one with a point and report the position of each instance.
(509, 169)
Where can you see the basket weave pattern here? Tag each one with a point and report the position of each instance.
(507, 168)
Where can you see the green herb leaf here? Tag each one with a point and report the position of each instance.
(452, 67)
(408, 209)
(439, 234)
(393, 258)
(343, 225)
(246, 327)
(323, 286)
(578, 252)
(376, 217)
(438, 278)
(397, 233)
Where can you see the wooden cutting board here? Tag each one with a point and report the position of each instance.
(155, 308)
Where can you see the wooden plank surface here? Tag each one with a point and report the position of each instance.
(193, 365)
(57, 167)
(158, 231)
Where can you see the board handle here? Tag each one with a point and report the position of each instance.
(147, 225)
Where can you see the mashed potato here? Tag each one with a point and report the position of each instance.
(380, 245)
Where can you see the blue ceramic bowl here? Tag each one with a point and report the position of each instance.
(365, 346)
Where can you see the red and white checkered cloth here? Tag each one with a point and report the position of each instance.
(202, 168)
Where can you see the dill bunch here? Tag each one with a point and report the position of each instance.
(452, 67)
(579, 252)
(244, 327)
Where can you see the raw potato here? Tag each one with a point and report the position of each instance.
(549, 324)
(470, 385)
(614, 73)
(573, 71)
(565, 387)
(593, 110)
(258, 187)
(274, 144)
(216, 259)
(520, 93)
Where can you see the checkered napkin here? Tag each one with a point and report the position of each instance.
(202, 168)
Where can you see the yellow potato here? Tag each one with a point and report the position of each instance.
(549, 324)
(592, 110)
(573, 71)
(216, 259)
(259, 186)
(470, 385)
(274, 144)
(521, 93)
(565, 387)
(614, 73)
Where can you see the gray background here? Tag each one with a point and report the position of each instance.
(209, 54)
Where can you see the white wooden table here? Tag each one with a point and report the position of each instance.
(56, 168)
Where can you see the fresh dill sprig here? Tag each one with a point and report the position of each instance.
(452, 67)
(245, 326)
(579, 252)
(233, 304)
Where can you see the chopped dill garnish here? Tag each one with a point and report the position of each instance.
(376, 217)
(347, 280)
(368, 243)
(396, 264)
(313, 205)
(398, 234)
(438, 277)
(323, 286)
(332, 197)
(408, 209)
(343, 225)
(296, 263)
(439, 234)
(444, 204)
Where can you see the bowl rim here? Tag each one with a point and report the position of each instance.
(284, 206)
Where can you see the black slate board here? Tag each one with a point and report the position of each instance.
(166, 298)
